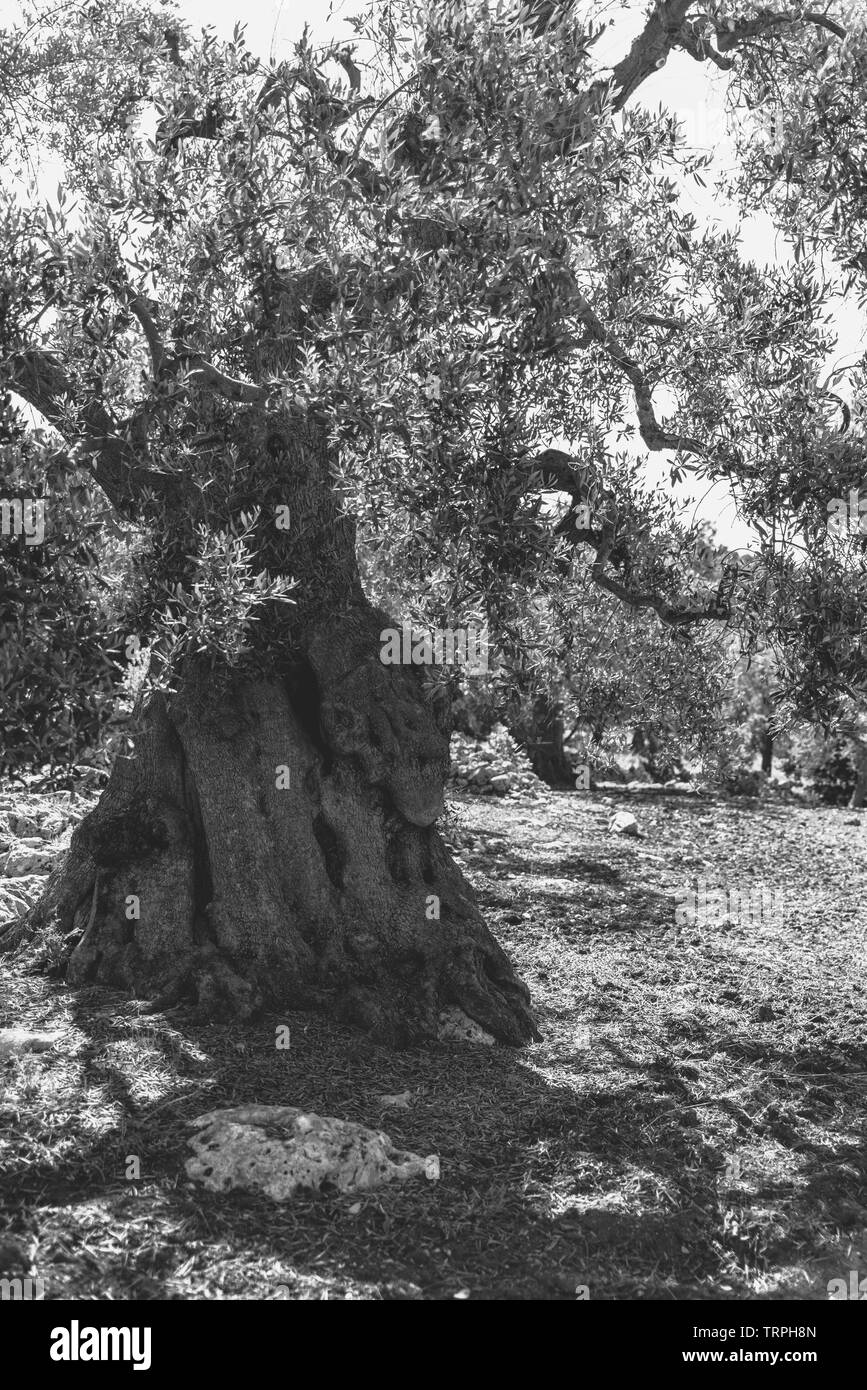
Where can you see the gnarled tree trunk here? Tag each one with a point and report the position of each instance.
(272, 840)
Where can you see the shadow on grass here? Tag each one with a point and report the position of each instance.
(610, 1173)
(545, 1185)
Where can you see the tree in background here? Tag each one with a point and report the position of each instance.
(57, 677)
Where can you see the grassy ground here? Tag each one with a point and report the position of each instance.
(692, 1125)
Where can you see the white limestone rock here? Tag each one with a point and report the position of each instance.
(623, 823)
(17, 895)
(277, 1149)
(23, 859)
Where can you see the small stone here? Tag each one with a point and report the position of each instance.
(623, 823)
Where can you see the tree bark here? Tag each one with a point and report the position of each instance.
(272, 842)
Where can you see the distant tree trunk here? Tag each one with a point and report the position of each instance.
(542, 735)
(766, 746)
(859, 791)
(272, 840)
(646, 744)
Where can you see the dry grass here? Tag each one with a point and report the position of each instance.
(692, 1125)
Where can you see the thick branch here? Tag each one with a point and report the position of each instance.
(203, 373)
(40, 379)
(694, 41)
(650, 49)
(698, 46)
(196, 368)
(767, 20)
(157, 350)
(672, 614)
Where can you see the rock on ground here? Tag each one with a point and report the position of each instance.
(15, 1040)
(495, 765)
(18, 895)
(277, 1149)
(24, 858)
(623, 823)
(34, 831)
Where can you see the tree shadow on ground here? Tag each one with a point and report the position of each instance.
(549, 1181)
(612, 1164)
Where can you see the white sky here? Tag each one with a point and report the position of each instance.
(694, 91)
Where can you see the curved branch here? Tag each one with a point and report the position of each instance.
(559, 471)
(140, 308)
(765, 21)
(203, 373)
(672, 614)
(652, 432)
(197, 369)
